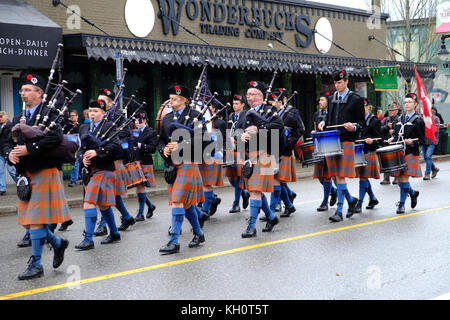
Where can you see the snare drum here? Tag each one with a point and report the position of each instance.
(360, 161)
(327, 143)
(306, 151)
(391, 158)
(134, 174)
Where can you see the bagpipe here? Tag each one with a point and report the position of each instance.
(43, 123)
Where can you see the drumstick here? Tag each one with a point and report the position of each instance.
(340, 125)
(415, 139)
(308, 139)
(374, 139)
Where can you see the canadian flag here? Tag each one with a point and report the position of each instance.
(430, 126)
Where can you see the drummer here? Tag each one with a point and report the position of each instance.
(411, 129)
(346, 110)
(319, 172)
(371, 130)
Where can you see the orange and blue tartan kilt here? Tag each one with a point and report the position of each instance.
(234, 172)
(287, 171)
(121, 178)
(188, 186)
(48, 203)
(372, 169)
(148, 171)
(101, 189)
(413, 169)
(321, 171)
(262, 178)
(212, 174)
(343, 166)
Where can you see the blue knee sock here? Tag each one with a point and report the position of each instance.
(275, 197)
(90, 217)
(327, 185)
(254, 211)
(347, 194)
(370, 191)
(237, 191)
(148, 202)
(266, 208)
(121, 207)
(198, 211)
(404, 191)
(341, 195)
(363, 186)
(289, 191)
(141, 200)
(102, 222)
(177, 223)
(52, 239)
(285, 196)
(110, 220)
(209, 198)
(38, 237)
(192, 217)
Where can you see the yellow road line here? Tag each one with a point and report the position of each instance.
(207, 256)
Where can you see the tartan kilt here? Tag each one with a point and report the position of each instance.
(287, 170)
(343, 165)
(234, 172)
(121, 178)
(48, 203)
(262, 178)
(101, 189)
(321, 171)
(413, 169)
(148, 171)
(188, 186)
(212, 174)
(372, 169)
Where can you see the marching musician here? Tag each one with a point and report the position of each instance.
(47, 204)
(187, 189)
(236, 123)
(387, 129)
(371, 130)
(262, 178)
(145, 147)
(346, 110)
(411, 130)
(108, 97)
(99, 160)
(320, 171)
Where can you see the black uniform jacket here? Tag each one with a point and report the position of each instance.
(385, 128)
(71, 129)
(5, 137)
(319, 116)
(149, 141)
(107, 154)
(414, 128)
(371, 128)
(37, 148)
(351, 109)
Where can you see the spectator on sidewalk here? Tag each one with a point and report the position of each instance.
(86, 116)
(73, 128)
(5, 135)
(428, 150)
(380, 114)
(437, 114)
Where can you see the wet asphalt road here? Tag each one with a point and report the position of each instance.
(374, 255)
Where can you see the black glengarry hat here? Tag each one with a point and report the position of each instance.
(35, 80)
(107, 93)
(179, 90)
(340, 74)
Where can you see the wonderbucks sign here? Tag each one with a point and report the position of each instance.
(229, 19)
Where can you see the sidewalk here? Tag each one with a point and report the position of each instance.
(74, 195)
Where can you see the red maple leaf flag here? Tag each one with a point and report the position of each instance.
(430, 126)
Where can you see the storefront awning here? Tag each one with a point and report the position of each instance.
(99, 47)
(27, 37)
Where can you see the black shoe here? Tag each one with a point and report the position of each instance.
(196, 241)
(292, 196)
(372, 204)
(71, 185)
(235, 208)
(111, 238)
(205, 217)
(85, 245)
(385, 181)
(414, 199)
(351, 208)
(270, 224)
(245, 200)
(214, 205)
(278, 207)
(150, 211)
(58, 256)
(322, 207)
(401, 208)
(287, 212)
(32, 271)
(263, 218)
(337, 217)
(333, 198)
(358, 208)
(249, 232)
(101, 231)
(395, 181)
(434, 172)
(139, 218)
(2, 193)
(25, 242)
(64, 225)
(170, 248)
(126, 223)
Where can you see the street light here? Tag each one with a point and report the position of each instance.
(443, 53)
